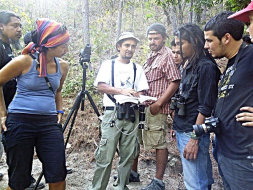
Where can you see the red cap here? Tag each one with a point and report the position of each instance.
(243, 15)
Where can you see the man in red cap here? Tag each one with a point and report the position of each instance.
(163, 79)
(223, 35)
(246, 15)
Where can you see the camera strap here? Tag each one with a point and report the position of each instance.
(46, 79)
(112, 77)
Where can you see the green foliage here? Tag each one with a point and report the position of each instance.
(236, 5)
(73, 82)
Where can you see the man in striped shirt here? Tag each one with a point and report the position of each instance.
(163, 79)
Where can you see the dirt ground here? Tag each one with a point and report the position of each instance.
(80, 157)
(82, 174)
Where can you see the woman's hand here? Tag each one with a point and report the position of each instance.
(59, 116)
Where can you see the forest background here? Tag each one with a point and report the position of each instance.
(99, 23)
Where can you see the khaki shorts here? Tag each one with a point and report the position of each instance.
(153, 136)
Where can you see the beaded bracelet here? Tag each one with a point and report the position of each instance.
(194, 136)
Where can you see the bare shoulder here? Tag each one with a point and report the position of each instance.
(22, 60)
(64, 64)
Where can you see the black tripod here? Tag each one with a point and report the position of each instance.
(84, 58)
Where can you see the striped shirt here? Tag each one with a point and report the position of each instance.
(160, 71)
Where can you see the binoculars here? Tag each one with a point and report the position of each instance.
(178, 102)
(125, 111)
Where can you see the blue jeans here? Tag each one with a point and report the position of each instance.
(197, 173)
(238, 174)
(215, 156)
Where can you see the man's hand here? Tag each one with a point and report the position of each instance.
(154, 108)
(191, 150)
(172, 134)
(3, 126)
(129, 92)
(246, 117)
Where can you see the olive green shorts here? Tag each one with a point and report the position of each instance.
(153, 136)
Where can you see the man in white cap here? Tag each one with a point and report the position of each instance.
(118, 76)
(223, 35)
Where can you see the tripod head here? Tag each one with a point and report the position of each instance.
(85, 53)
(84, 57)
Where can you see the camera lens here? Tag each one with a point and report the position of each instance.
(199, 130)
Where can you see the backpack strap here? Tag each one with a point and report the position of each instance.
(112, 77)
(46, 78)
(134, 73)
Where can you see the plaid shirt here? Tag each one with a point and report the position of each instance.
(160, 71)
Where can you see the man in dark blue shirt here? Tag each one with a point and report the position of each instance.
(197, 95)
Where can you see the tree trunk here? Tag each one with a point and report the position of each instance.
(203, 15)
(119, 18)
(85, 22)
(191, 12)
(180, 13)
(174, 17)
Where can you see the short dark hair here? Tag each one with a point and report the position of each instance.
(220, 25)
(5, 16)
(173, 43)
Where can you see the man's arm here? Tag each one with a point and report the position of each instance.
(169, 92)
(105, 88)
(192, 147)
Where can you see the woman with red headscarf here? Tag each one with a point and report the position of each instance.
(34, 116)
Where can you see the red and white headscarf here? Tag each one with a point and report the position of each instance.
(45, 28)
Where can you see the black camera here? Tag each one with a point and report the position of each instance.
(85, 53)
(250, 150)
(178, 102)
(209, 126)
(141, 116)
(125, 111)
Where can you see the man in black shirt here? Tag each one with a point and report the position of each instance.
(10, 33)
(224, 39)
(196, 98)
(246, 15)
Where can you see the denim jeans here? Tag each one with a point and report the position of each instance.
(197, 173)
(238, 174)
(215, 156)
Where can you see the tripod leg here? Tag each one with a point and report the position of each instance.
(38, 181)
(74, 111)
(92, 103)
(71, 127)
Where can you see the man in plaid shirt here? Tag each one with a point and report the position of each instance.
(163, 79)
